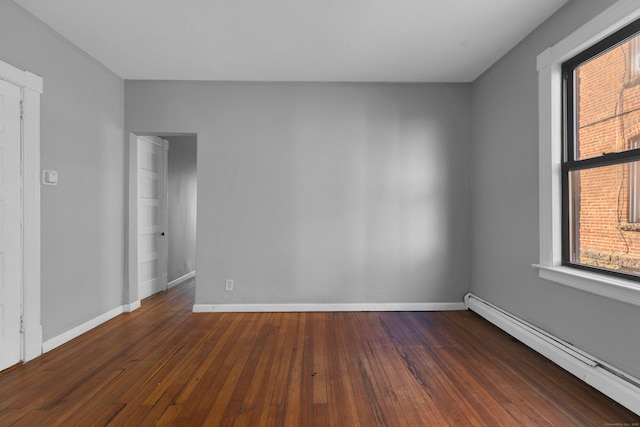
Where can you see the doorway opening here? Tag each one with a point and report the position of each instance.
(162, 213)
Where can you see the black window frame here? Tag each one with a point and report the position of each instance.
(569, 162)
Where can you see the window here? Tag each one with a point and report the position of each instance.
(601, 156)
(634, 60)
(564, 214)
(634, 187)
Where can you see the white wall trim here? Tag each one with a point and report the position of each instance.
(32, 322)
(12, 74)
(615, 288)
(276, 308)
(550, 144)
(181, 279)
(128, 308)
(31, 86)
(612, 382)
(81, 329)
(130, 294)
(612, 19)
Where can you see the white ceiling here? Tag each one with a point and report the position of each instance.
(295, 40)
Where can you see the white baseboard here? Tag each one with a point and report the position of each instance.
(128, 308)
(610, 381)
(81, 329)
(275, 308)
(181, 279)
(32, 345)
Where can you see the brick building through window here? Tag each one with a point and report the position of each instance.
(605, 201)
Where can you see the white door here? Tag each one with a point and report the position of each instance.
(10, 225)
(152, 216)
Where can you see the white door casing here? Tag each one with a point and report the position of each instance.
(152, 218)
(10, 225)
(30, 86)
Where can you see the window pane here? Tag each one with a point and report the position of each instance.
(608, 101)
(602, 233)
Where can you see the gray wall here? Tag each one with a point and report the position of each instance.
(81, 138)
(322, 192)
(505, 206)
(182, 183)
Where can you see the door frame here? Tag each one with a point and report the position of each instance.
(31, 86)
(131, 297)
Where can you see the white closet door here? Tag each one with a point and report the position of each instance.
(10, 225)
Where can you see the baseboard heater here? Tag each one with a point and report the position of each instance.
(610, 381)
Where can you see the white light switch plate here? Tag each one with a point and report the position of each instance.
(49, 177)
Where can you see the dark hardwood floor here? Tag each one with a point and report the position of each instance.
(163, 365)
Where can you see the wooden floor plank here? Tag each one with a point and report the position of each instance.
(375, 368)
(227, 411)
(10, 416)
(164, 365)
(417, 409)
(293, 404)
(259, 379)
(211, 386)
(106, 416)
(168, 416)
(319, 366)
(283, 362)
(350, 351)
(339, 385)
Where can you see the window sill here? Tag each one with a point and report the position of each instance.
(615, 288)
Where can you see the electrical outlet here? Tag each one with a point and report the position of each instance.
(228, 285)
